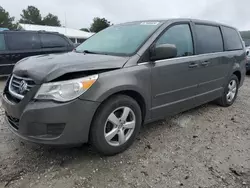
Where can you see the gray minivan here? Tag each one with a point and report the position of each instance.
(122, 77)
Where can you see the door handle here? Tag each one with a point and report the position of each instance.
(193, 65)
(205, 63)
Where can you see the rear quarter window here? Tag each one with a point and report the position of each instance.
(23, 41)
(232, 39)
(53, 41)
(209, 39)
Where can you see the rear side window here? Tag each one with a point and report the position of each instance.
(23, 41)
(2, 42)
(232, 39)
(52, 41)
(209, 39)
(181, 37)
(80, 40)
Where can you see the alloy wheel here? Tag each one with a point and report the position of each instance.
(119, 126)
(232, 89)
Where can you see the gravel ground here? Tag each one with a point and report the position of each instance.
(207, 147)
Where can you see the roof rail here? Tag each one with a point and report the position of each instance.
(47, 31)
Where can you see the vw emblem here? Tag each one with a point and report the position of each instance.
(23, 86)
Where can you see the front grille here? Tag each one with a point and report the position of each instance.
(20, 86)
(14, 122)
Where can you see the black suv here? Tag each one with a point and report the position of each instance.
(16, 45)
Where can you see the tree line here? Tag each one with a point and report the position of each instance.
(245, 34)
(32, 15)
(246, 37)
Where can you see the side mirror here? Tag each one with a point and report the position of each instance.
(163, 51)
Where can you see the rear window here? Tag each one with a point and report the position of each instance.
(80, 40)
(23, 41)
(52, 41)
(2, 42)
(232, 39)
(209, 39)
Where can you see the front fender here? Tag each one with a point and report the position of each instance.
(136, 78)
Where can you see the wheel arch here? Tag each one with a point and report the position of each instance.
(238, 74)
(131, 92)
(137, 96)
(238, 70)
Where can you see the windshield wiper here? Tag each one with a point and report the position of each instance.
(89, 52)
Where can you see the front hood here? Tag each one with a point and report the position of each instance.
(44, 68)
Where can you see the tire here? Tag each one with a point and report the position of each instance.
(103, 125)
(224, 99)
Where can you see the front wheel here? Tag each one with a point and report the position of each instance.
(115, 125)
(230, 92)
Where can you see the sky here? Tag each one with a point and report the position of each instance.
(80, 13)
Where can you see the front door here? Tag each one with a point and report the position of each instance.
(5, 64)
(175, 80)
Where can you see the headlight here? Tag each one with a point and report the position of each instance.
(65, 90)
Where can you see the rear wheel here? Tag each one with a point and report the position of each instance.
(230, 92)
(116, 125)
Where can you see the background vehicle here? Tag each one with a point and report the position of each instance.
(16, 45)
(248, 59)
(121, 77)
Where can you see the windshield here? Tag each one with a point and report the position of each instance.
(122, 39)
